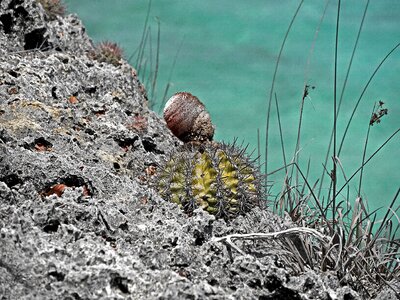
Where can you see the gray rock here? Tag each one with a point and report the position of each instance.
(78, 219)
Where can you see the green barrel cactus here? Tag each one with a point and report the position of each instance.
(219, 178)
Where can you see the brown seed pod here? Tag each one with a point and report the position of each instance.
(188, 118)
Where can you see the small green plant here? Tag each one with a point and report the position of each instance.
(219, 178)
(53, 8)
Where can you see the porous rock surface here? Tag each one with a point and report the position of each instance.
(78, 219)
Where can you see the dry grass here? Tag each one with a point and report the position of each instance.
(146, 60)
(363, 251)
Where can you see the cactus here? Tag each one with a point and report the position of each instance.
(53, 8)
(219, 178)
(107, 52)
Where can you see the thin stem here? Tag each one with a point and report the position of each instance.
(164, 99)
(142, 41)
(153, 86)
(387, 214)
(280, 132)
(306, 87)
(363, 157)
(150, 59)
(258, 150)
(310, 54)
(272, 89)
(141, 54)
(342, 92)
(373, 154)
(334, 177)
(296, 150)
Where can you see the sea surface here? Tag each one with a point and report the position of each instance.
(225, 53)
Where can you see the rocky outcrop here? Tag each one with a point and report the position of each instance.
(77, 217)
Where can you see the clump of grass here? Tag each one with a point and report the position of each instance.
(53, 8)
(363, 251)
(146, 60)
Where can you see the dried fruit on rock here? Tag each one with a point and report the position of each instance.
(188, 118)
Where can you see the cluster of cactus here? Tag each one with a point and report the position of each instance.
(108, 52)
(53, 7)
(219, 178)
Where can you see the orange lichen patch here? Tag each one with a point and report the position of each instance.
(42, 147)
(127, 144)
(144, 200)
(13, 90)
(118, 94)
(142, 178)
(139, 123)
(73, 100)
(86, 191)
(183, 273)
(151, 170)
(133, 72)
(100, 112)
(71, 181)
(57, 189)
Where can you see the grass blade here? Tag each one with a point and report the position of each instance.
(369, 158)
(272, 89)
(343, 89)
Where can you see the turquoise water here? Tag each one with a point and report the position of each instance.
(227, 58)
